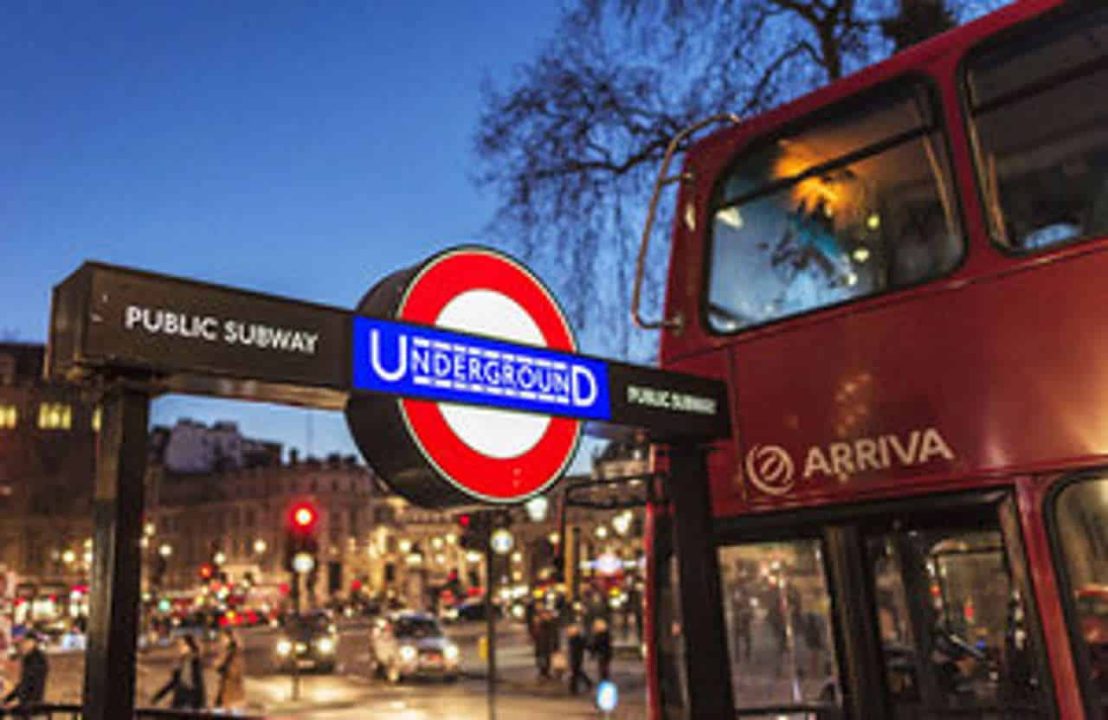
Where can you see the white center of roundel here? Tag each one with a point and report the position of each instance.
(496, 433)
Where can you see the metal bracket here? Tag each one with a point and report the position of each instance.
(665, 179)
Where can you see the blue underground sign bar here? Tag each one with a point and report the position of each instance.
(434, 364)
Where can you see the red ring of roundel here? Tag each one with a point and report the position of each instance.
(497, 480)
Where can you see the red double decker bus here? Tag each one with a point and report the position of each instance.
(903, 277)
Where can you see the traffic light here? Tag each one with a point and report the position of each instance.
(473, 531)
(475, 528)
(300, 530)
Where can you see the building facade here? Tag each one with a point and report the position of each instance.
(47, 460)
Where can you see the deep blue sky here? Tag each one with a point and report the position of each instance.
(304, 149)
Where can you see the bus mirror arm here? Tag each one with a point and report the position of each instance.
(662, 180)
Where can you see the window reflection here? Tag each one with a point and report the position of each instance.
(1041, 124)
(1082, 516)
(778, 616)
(853, 206)
(952, 625)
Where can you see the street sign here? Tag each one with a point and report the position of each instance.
(460, 377)
(447, 428)
(194, 337)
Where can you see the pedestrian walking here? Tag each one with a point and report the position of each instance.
(33, 669)
(186, 683)
(548, 641)
(230, 668)
(578, 644)
(601, 644)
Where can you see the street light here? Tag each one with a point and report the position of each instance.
(165, 550)
(501, 541)
(622, 522)
(68, 557)
(536, 508)
(260, 546)
(219, 558)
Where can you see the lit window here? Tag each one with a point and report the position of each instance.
(96, 419)
(9, 416)
(54, 416)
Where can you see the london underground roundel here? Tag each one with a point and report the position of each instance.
(439, 453)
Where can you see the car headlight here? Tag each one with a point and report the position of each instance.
(284, 647)
(407, 653)
(450, 652)
(326, 645)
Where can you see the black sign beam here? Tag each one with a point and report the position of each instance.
(198, 338)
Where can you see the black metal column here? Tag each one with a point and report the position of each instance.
(490, 612)
(109, 692)
(708, 666)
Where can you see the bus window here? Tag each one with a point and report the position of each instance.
(856, 204)
(1040, 119)
(952, 624)
(1081, 515)
(778, 615)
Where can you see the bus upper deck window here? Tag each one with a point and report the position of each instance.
(1040, 120)
(851, 205)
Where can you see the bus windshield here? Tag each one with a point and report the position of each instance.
(852, 205)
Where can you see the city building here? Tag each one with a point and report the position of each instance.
(47, 457)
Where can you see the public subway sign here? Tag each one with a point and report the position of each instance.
(460, 377)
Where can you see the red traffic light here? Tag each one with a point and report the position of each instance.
(303, 516)
(463, 520)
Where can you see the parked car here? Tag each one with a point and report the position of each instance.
(469, 610)
(307, 641)
(409, 644)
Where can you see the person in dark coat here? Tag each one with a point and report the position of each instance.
(601, 646)
(187, 681)
(32, 675)
(578, 643)
(548, 640)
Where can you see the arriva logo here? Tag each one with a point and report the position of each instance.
(770, 467)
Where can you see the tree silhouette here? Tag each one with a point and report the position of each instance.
(571, 144)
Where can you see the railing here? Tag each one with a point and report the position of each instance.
(62, 711)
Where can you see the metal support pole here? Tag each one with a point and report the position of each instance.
(706, 656)
(294, 635)
(490, 617)
(109, 692)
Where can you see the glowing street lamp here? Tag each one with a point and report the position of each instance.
(537, 508)
(165, 550)
(260, 546)
(502, 541)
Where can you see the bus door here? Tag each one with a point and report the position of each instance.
(952, 613)
(913, 610)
